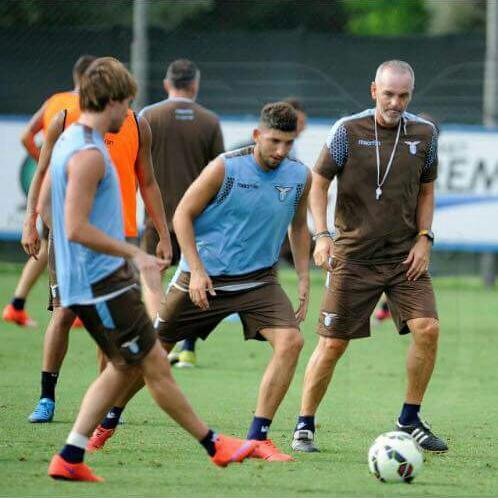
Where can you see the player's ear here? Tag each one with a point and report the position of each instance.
(256, 134)
(373, 90)
(166, 86)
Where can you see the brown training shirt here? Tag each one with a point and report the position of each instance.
(185, 138)
(384, 230)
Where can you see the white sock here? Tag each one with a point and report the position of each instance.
(78, 440)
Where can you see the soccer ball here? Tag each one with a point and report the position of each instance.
(395, 457)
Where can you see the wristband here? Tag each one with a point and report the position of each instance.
(320, 235)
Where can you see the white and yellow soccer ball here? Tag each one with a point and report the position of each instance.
(395, 457)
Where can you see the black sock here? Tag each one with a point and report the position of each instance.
(259, 428)
(385, 307)
(48, 383)
(72, 454)
(189, 345)
(18, 303)
(208, 442)
(306, 423)
(409, 414)
(111, 420)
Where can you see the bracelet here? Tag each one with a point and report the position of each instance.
(320, 235)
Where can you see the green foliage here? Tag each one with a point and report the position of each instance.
(385, 17)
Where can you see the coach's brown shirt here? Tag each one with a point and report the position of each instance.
(384, 230)
(185, 138)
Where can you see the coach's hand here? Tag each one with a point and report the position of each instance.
(150, 269)
(199, 284)
(165, 252)
(324, 251)
(303, 292)
(418, 258)
(30, 238)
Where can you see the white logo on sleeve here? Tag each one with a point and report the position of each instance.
(412, 146)
(282, 192)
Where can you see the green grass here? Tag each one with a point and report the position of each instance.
(150, 456)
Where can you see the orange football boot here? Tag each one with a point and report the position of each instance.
(10, 314)
(231, 450)
(99, 437)
(268, 451)
(61, 469)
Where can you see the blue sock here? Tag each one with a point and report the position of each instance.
(306, 423)
(259, 428)
(409, 414)
(189, 345)
(72, 454)
(111, 420)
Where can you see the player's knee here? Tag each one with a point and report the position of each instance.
(291, 346)
(332, 349)
(63, 319)
(426, 332)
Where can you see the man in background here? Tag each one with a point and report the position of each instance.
(34, 267)
(185, 138)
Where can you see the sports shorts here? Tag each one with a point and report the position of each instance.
(53, 288)
(257, 297)
(150, 239)
(119, 325)
(353, 290)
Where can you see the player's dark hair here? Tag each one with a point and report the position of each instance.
(296, 104)
(105, 79)
(181, 73)
(279, 116)
(80, 66)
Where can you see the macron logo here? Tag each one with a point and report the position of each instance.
(264, 429)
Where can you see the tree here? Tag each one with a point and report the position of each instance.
(385, 17)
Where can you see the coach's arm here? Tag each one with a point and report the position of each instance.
(324, 247)
(149, 190)
(419, 257)
(30, 237)
(196, 198)
(299, 238)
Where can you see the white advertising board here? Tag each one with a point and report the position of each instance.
(466, 216)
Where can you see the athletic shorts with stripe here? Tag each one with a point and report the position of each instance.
(353, 290)
(119, 323)
(257, 297)
(53, 289)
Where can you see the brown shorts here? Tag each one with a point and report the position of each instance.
(354, 290)
(263, 306)
(150, 239)
(53, 288)
(44, 231)
(119, 325)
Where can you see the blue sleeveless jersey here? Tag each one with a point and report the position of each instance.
(243, 228)
(78, 267)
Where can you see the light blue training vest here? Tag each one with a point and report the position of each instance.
(78, 266)
(243, 228)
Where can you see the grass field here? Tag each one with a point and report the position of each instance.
(150, 456)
